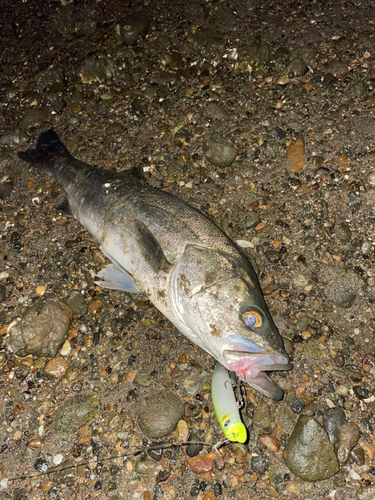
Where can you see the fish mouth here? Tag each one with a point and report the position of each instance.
(250, 367)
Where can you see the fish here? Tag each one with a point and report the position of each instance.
(173, 254)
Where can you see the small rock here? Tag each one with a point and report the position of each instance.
(343, 233)
(297, 405)
(215, 111)
(159, 414)
(259, 464)
(146, 466)
(262, 415)
(156, 453)
(296, 68)
(349, 436)
(34, 443)
(42, 329)
(193, 450)
(66, 348)
(218, 152)
(182, 431)
(296, 154)
(114, 420)
(143, 380)
(333, 419)
(162, 476)
(270, 442)
(40, 290)
(254, 57)
(25, 362)
(95, 305)
(3, 294)
(76, 301)
(308, 453)
(200, 464)
(131, 28)
(358, 456)
(240, 453)
(56, 367)
(371, 177)
(34, 118)
(75, 413)
(341, 285)
(95, 69)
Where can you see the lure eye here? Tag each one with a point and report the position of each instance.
(252, 318)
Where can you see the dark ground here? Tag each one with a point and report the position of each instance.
(308, 69)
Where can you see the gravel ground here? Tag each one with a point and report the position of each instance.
(260, 114)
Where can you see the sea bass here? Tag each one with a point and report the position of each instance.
(167, 250)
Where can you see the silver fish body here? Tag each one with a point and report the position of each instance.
(169, 251)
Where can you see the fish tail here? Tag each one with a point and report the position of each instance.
(49, 146)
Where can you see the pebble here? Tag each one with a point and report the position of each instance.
(341, 285)
(114, 420)
(157, 453)
(259, 464)
(217, 151)
(95, 69)
(254, 57)
(308, 453)
(270, 442)
(358, 456)
(65, 349)
(143, 380)
(25, 362)
(343, 233)
(296, 154)
(297, 405)
(333, 419)
(75, 413)
(200, 464)
(209, 436)
(40, 290)
(349, 436)
(193, 450)
(240, 453)
(34, 443)
(3, 293)
(262, 415)
(182, 431)
(34, 118)
(134, 26)
(371, 177)
(42, 329)
(76, 301)
(95, 305)
(57, 459)
(56, 367)
(159, 414)
(146, 466)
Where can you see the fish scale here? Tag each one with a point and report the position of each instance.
(162, 247)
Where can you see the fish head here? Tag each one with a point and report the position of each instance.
(233, 324)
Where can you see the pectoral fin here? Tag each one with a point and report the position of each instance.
(64, 207)
(115, 279)
(149, 247)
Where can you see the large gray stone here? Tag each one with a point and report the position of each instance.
(309, 454)
(42, 330)
(159, 414)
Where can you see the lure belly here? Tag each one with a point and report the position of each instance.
(225, 405)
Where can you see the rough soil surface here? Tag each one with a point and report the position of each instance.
(260, 114)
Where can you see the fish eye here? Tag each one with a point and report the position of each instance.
(252, 318)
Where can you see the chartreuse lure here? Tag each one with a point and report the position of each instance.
(225, 405)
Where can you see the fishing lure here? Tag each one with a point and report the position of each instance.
(225, 405)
